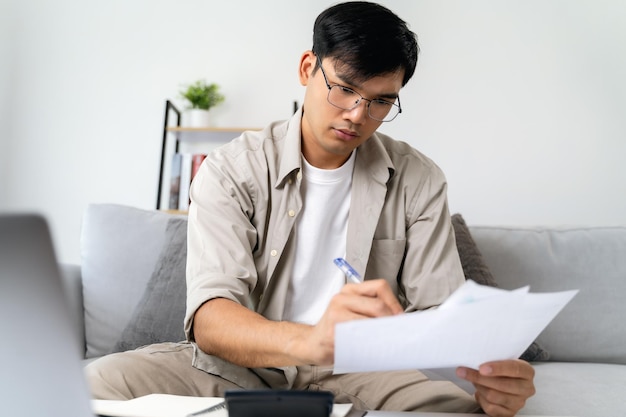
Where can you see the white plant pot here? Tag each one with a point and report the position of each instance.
(196, 118)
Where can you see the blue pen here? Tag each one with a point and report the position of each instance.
(350, 272)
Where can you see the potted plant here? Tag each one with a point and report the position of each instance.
(201, 97)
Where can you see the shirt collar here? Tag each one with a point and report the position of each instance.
(290, 163)
(374, 158)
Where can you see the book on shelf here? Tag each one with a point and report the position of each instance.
(185, 181)
(196, 161)
(184, 168)
(174, 182)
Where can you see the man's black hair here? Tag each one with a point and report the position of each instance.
(366, 39)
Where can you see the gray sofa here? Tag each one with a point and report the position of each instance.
(129, 291)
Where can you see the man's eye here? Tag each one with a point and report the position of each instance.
(383, 103)
(346, 90)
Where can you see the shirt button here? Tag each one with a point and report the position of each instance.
(299, 175)
(274, 252)
(292, 213)
(290, 181)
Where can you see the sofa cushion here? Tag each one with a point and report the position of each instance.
(476, 269)
(133, 262)
(577, 389)
(591, 327)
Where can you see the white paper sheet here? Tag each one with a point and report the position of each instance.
(477, 324)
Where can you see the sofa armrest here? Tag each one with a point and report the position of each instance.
(73, 286)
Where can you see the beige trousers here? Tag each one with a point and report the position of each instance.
(166, 368)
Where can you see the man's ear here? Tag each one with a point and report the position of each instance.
(307, 65)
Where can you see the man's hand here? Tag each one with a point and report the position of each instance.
(502, 387)
(372, 298)
(233, 332)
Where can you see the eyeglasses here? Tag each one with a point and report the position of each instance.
(347, 99)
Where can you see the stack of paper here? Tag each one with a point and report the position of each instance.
(154, 405)
(477, 324)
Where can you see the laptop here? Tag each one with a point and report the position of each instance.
(41, 372)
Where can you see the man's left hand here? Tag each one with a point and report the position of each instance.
(502, 387)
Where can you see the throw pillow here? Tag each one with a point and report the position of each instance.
(475, 268)
(160, 313)
(133, 270)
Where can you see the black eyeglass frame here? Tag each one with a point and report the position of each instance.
(369, 101)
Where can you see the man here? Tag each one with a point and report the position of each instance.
(272, 209)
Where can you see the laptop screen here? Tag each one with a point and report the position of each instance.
(40, 362)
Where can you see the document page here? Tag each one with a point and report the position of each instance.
(477, 324)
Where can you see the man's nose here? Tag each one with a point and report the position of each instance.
(359, 114)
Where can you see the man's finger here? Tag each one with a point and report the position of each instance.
(510, 368)
(378, 289)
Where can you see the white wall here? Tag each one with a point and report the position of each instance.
(6, 47)
(522, 104)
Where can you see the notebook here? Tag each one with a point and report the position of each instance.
(41, 372)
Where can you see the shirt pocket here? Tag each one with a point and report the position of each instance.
(385, 260)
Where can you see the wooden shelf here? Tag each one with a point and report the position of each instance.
(174, 135)
(175, 212)
(211, 134)
(209, 129)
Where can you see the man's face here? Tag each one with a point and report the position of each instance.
(330, 134)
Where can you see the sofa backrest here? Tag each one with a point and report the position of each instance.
(591, 327)
(134, 289)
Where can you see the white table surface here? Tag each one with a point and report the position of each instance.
(416, 414)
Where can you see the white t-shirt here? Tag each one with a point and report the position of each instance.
(321, 232)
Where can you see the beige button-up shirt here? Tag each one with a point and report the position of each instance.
(246, 198)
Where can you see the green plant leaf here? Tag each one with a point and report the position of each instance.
(202, 95)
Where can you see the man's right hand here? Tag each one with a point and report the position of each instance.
(372, 298)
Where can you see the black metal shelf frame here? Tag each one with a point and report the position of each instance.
(169, 110)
